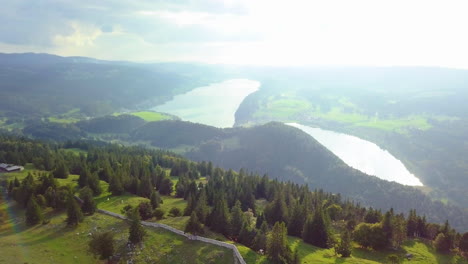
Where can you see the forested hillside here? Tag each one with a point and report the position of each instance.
(416, 113)
(250, 209)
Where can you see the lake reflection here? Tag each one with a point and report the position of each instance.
(213, 105)
(362, 155)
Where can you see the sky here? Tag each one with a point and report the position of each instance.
(245, 32)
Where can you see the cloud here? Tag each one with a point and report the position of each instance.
(418, 32)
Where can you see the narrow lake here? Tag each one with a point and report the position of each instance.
(362, 155)
(213, 105)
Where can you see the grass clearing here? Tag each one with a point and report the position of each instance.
(151, 116)
(57, 243)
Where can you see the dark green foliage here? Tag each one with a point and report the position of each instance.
(316, 230)
(33, 213)
(61, 171)
(278, 250)
(237, 219)
(83, 180)
(115, 185)
(102, 245)
(158, 213)
(344, 247)
(166, 186)
(463, 245)
(260, 239)
(136, 231)
(93, 183)
(370, 235)
(442, 243)
(219, 219)
(373, 216)
(145, 188)
(74, 213)
(175, 212)
(145, 210)
(393, 259)
(202, 209)
(155, 199)
(193, 225)
(89, 205)
(296, 220)
(277, 211)
(111, 124)
(191, 204)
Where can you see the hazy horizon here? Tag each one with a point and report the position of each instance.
(242, 32)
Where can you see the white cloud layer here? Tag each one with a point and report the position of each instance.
(295, 32)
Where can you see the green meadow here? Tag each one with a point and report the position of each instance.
(56, 243)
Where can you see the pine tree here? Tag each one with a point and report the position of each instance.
(89, 205)
(387, 226)
(278, 250)
(277, 211)
(237, 219)
(136, 231)
(74, 213)
(115, 185)
(102, 245)
(344, 247)
(61, 171)
(261, 237)
(84, 176)
(145, 188)
(155, 199)
(191, 203)
(193, 225)
(33, 212)
(93, 183)
(202, 209)
(296, 221)
(219, 218)
(316, 230)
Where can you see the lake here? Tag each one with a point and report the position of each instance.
(214, 105)
(362, 155)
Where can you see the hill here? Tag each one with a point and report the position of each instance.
(416, 113)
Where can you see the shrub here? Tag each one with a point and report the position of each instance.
(174, 212)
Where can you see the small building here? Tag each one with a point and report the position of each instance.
(10, 168)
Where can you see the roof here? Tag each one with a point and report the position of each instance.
(13, 168)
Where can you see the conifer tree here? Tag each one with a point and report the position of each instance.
(136, 231)
(278, 250)
(74, 213)
(202, 209)
(344, 247)
(296, 220)
(237, 219)
(93, 183)
(261, 237)
(219, 218)
(115, 185)
(277, 211)
(84, 176)
(61, 171)
(191, 204)
(33, 212)
(89, 205)
(316, 230)
(155, 199)
(193, 225)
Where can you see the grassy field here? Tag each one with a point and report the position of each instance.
(151, 116)
(56, 243)
(295, 109)
(45, 240)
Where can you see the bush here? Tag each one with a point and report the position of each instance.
(102, 245)
(145, 210)
(158, 213)
(174, 212)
